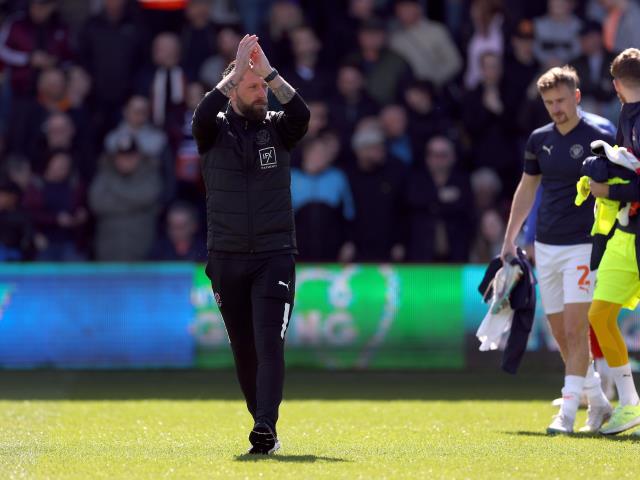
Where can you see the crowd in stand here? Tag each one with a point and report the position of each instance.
(419, 114)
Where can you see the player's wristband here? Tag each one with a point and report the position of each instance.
(274, 73)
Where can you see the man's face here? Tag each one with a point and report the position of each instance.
(372, 39)
(562, 103)
(41, 12)
(491, 69)
(250, 97)
(137, 112)
(439, 155)
(349, 81)
(180, 225)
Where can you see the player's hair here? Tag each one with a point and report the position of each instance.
(229, 68)
(558, 76)
(626, 67)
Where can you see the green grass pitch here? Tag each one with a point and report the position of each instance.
(193, 425)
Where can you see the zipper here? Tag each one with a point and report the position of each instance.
(248, 161)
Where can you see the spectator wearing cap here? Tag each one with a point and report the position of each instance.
(34, 41)
(487, 20)
(56, 202)
(620, 28)
(520, 67)
(112, 48)
(182, 239)
(322, 203)
(16, 231)
(385, 71)
(556, 34)
(198, 38)
(124, 198)
(592, 67)
(377, 183)
(425, 44)
(439, 206)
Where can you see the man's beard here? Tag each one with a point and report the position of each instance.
(256, 112)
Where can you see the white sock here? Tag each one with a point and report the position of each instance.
(593, 388)
(571, 395)
(602, 367)
(624, 382)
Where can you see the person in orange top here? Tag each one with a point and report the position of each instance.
(620, 28)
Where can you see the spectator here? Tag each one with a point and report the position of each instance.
(426, 45)
(306, 74)
(620, 29)
(18, 170)
(377, 182)
(16, 233)
(198, 38)
(181, 240)
(427, 117)
(59, 133)
(439, 207)
(520, 71)
(322, 203)
(78, 87)
(592, 67)
(487, 19)
(394, 122)
(151, 141)
(165, 83)
(319, 119)
(350, 102)
(32, 42)
(488, 124)
(112, 48)
(489, 239)
(486, 186)
(283, 17)
(124, 198)
(56, 204)
(385, 69)
(187, 167)
(343, 29)
(556, 34)
(227, 41)
(30, 114)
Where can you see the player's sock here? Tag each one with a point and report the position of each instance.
(606, 378)
(627, 392)
(571, 391)
(603, 317)
(593, 388)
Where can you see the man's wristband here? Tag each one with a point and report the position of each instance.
(274, 73)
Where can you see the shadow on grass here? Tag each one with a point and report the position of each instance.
(579, 436)
(299, 385)
(288, 458)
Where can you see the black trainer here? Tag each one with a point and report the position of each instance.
(263, 440)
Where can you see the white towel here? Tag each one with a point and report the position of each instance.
(492, 328)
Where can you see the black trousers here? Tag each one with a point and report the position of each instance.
(255, 298)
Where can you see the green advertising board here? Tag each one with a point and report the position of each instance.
(358, 316)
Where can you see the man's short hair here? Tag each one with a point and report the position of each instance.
(558, 76)
(626, 67)
(229, 69)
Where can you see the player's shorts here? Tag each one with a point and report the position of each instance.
(564, 275)
(617, 279)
